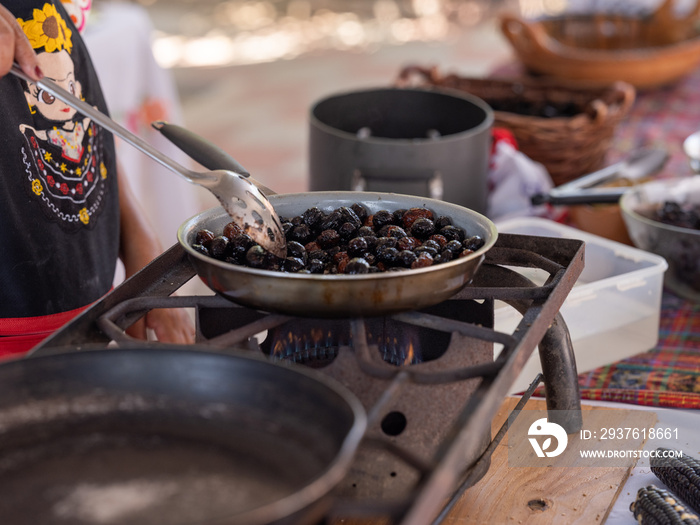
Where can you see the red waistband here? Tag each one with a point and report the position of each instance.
(20, 334)
(37, 325)
(16, 345)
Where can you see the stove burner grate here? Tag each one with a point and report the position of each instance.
(429, 433)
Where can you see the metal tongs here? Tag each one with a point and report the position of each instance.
(236, 190)
(587, 189)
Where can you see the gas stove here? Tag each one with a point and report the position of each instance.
(428, 379)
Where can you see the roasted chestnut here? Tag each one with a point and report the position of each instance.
(422, 228)
(255, 256)
(347, 230)
(452, 233)
(313, 217)
(357, 246)
(357, 265)
(232, 230)
(295, 249)
(300, 233)
(348, 215)
(203, 237)
(217, 247)
(406, 258)
(423, 261)
(328, 239)
(360, 211)
(293, 264)
(381, 218)
(473, 243)
(412, 215)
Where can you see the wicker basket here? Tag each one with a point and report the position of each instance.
(646, 51)
(567, 146)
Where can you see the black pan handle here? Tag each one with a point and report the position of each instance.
(207, 154)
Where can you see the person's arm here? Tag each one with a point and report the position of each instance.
(14, 47)
(138, 245)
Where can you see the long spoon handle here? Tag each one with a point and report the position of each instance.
(110, 125)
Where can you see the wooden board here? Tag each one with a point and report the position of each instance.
(562, 496)
(571, 495)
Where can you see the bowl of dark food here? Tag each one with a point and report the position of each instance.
(350, 254)
(663, 217)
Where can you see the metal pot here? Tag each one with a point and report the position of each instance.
(431, 143)
(170, 436)
(329, 296)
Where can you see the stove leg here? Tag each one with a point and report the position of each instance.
(560, 377)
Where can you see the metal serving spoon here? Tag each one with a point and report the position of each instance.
(236, 191)
(584, 190)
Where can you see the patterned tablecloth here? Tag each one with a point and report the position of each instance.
(662, 117)
(669, 374)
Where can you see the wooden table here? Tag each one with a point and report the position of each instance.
(561, 495)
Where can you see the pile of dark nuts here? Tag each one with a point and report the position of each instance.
(684, 266)
(541, 109)
(348, 240)
(675, 214)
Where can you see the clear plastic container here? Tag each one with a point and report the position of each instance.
(613, 310)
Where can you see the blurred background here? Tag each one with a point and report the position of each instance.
(245, 73)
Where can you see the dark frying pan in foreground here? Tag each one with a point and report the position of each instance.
(171, 436)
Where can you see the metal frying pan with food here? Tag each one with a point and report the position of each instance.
(328, 296)
(234, 189)
(167, 435)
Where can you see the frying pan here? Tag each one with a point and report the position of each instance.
(170, 435)
(335, 296)
(326, 296)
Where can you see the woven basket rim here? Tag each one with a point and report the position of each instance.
(567, 146)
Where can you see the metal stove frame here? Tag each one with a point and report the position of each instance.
(444, 476)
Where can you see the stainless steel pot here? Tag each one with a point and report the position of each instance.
(144, 436)
(328, 296)
(425, 142)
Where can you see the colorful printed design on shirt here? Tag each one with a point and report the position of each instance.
(63, 152)
(47, 29)
(70, 192)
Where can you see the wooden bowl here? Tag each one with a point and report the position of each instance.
(646, 52)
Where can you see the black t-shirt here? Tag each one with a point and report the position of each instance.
(59, 209)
